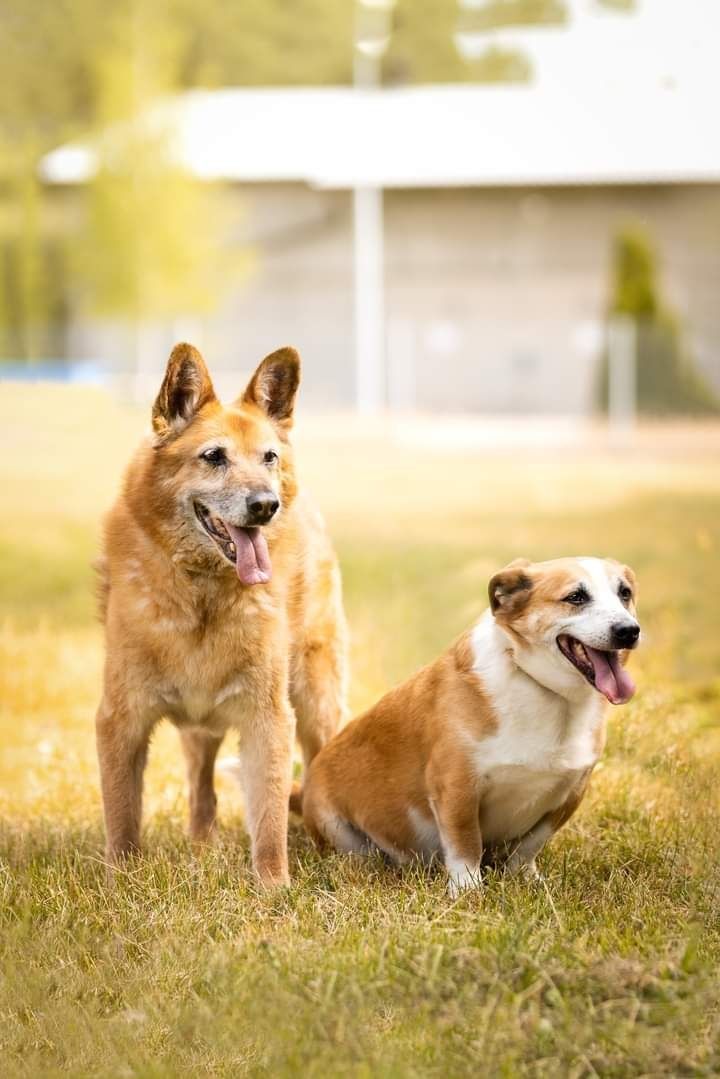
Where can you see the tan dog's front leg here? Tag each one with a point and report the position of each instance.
(122, 747)
(455, 802)
(266, 764)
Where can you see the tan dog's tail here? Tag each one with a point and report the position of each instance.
(102, 586)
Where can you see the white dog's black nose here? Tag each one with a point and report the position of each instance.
(261, 507)
(625, 634)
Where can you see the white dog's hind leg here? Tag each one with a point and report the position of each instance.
(522, 858)
(344, 837)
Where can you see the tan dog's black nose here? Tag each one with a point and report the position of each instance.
(261, 507)
(625, 634)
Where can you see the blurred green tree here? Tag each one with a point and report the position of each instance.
(44, 89)
(265, 42)
(667, 379)
(268, 42)
(161, 225)
(495, 14)
(619, 5)
(423, 44)
(80, 67)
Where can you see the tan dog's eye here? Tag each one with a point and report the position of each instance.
(215, 456)
(270, 458)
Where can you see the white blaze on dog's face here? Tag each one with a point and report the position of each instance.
(571, 622)
(226, 472)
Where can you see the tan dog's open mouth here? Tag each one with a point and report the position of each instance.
(602, 670)
(245, 548)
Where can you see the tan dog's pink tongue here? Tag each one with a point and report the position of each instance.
(252, 559)
(611, 679)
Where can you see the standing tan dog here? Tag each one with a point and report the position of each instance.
(222, 606)
(490, 748)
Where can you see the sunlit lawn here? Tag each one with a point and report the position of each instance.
(610, 968)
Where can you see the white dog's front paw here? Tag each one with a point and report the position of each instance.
(462, 879)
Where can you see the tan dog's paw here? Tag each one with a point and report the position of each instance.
(272, 877)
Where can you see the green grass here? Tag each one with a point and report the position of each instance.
(183, 968)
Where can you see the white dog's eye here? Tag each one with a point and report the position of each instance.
(625, 593)
(577, 597)
(270, 457)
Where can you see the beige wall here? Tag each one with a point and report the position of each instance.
(494, 297)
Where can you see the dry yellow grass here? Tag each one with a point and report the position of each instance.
(184, 969)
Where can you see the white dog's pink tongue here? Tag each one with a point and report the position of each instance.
(252, 558)
(611, 678)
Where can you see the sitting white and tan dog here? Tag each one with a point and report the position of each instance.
(486, 752)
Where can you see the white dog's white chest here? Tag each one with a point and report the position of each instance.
(516, 798)
(529, 768)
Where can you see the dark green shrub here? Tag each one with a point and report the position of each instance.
(668, 381)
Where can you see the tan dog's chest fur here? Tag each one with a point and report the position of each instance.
(200, 639)
(187, 639)
(473, 756)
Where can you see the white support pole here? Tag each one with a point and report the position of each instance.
(372, 33)
(622, 375)
(369, 300)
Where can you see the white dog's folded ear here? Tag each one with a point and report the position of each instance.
(185, 389)
(509, 590)
(631, 578)
(274, 386)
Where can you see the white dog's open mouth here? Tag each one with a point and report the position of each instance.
(602, 670)
(246, 548)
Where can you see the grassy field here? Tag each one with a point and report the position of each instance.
(184, 969)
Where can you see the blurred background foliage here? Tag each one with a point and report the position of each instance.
(667, 377)
(86, 69)
(73, 67)
(162, 226)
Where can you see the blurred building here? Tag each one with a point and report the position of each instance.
(500, 208)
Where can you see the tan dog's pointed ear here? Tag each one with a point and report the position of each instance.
(274, 386)
(509, 590)
(185, 389)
